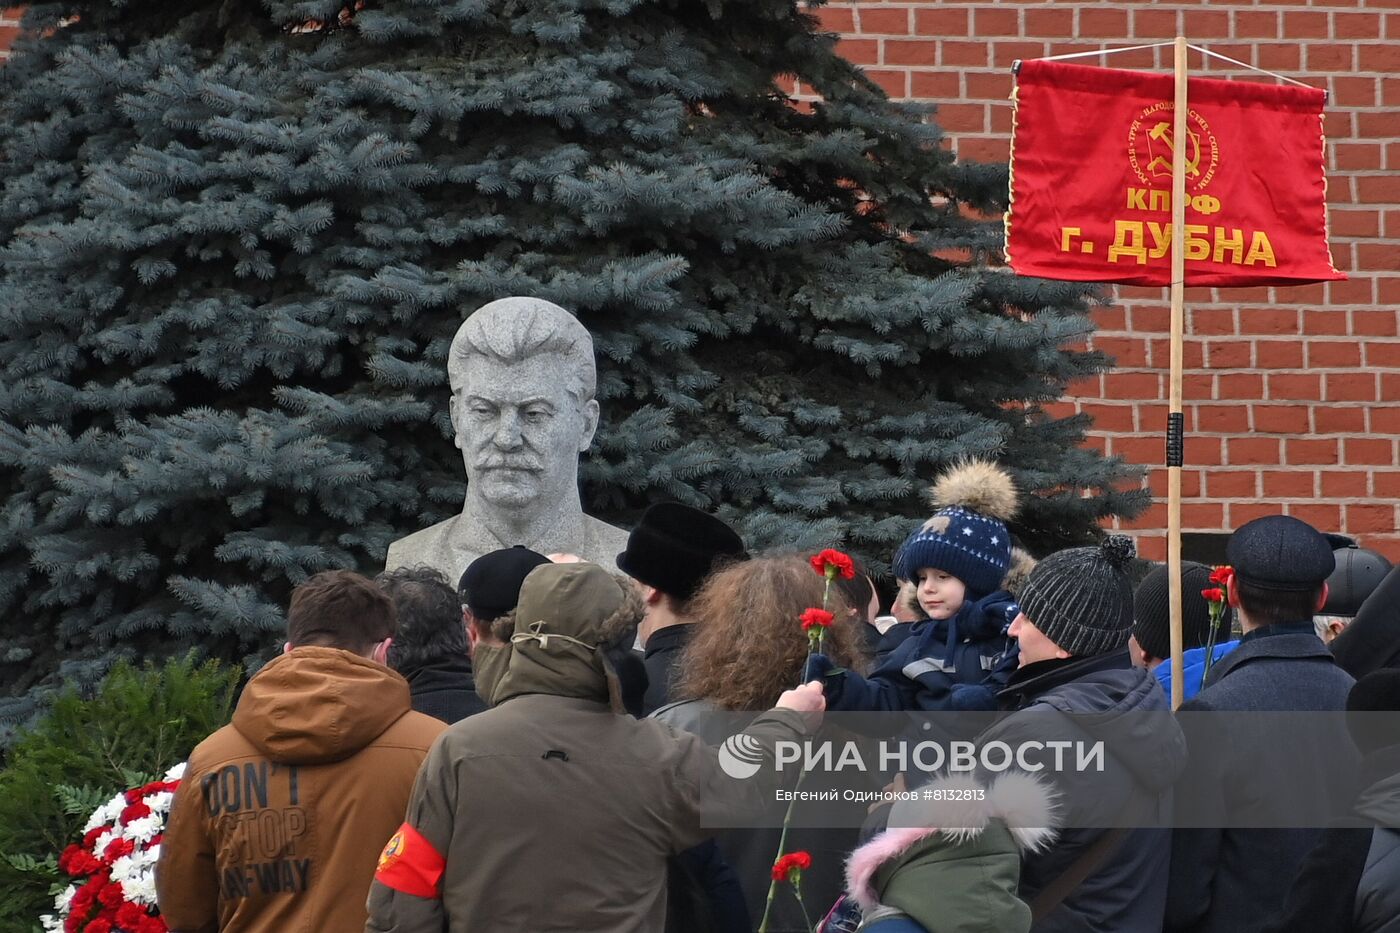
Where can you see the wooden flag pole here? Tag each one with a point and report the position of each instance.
(1175, 419)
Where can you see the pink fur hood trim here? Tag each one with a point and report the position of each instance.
(1025, 804)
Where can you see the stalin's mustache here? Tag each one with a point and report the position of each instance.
(509, 462)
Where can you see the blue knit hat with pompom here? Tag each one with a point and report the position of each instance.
(967, 536)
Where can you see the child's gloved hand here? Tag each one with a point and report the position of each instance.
(820, 667)
(998, 676)
(968, 697)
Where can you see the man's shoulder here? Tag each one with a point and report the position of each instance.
(412, 730)
(1301, 682)
(497, 723)
(521, 721)
(696, 717)
(223, 746)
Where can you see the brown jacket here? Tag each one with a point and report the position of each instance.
(279, 821)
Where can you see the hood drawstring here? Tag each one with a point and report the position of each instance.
(537, 633)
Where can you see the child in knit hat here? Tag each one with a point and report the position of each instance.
(958, 654)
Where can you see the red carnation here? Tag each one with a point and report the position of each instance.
(153, 925)
(135, 812)
(67, 856)
(1222, 574)
(78, 862)
(90, 839)
(130, 916)
(82, 900)
(112, 895)
(829, 563)
(1214, 595)
(155, 787)
(100, 925)
(792, 862)
(816, 618)
(118, 848)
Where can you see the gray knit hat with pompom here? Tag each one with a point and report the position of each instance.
(1082, 599)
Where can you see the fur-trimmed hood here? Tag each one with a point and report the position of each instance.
(1022, 563)
(561, 630)
(950, 806)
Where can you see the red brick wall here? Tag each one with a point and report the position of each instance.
(9, 26)
(1290, 393)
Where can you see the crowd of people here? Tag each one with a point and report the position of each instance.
(531, 747)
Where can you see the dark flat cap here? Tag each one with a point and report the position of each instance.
(675, 547)
(1279, 552)
(490, 586)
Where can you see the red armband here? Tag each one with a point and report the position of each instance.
(410, 864)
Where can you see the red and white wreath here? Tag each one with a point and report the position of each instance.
(114, 867)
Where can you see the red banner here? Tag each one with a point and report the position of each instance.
(1091, 178)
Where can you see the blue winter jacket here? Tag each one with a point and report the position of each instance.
(1193, 669)
(942, 664)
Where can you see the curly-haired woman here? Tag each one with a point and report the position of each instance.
(748, 648)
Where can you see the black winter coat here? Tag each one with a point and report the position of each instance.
(662, 656)
(1350, 883)
(444, 690)
(1144, 753)
(1233, 880)
(1378, 894)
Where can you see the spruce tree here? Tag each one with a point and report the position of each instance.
(237, 239)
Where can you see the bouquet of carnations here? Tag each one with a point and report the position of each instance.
(114, 867)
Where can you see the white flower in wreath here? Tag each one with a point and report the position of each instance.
(107, 814)
(126, 869)
(141, 889)
(145, 829)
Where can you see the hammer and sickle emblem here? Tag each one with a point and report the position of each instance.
(392, 851)
(1162, 132)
